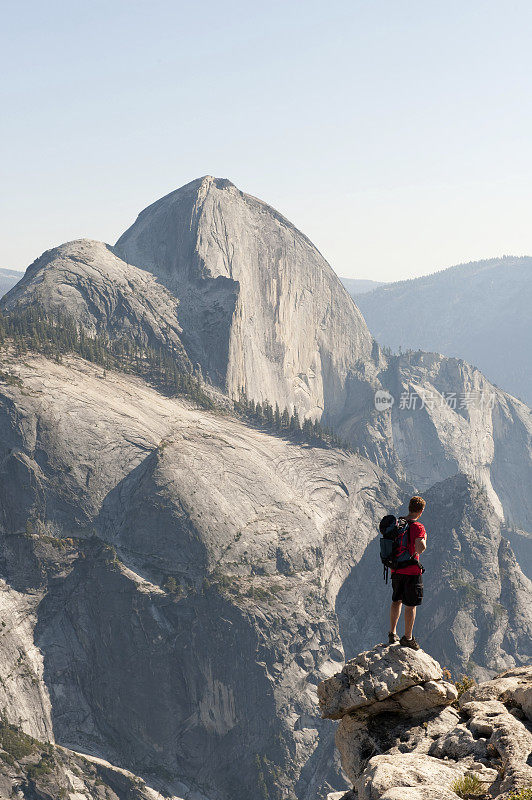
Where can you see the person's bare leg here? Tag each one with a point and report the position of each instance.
(410, 616)
(395, 613)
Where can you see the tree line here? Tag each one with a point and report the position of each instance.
(33, 329)
(55, 334)
(271, 418)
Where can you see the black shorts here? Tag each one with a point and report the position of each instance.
(407, 589)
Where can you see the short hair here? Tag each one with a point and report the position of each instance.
(416, 504)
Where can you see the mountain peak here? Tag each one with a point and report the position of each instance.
(261, 309)
(198, 187)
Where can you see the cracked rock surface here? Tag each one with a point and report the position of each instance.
(393, 753)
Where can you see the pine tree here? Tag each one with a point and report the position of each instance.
(268, 413)
(307, 429)
(295, 426)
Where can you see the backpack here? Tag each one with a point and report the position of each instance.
(394, 544)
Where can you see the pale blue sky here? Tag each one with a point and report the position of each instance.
(395, 133)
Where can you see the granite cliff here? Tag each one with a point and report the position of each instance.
(254, 305)
(86, 281)
(175, 581)
(166, 570)
(262, 311)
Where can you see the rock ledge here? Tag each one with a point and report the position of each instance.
(399, 738)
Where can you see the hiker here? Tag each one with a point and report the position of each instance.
(407, 581)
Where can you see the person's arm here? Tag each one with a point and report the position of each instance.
(420, 544)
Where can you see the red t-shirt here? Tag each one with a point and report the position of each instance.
(416, 531)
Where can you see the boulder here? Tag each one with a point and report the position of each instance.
(390, 776)
(513, 688)
(381, 673)
(399, 739)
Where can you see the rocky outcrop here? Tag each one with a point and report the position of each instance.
(387, 682)
(508, 739)
(445, 417)
(398, 752)
(448, 418)
(30, 768)
(513, 688)
(385, 678)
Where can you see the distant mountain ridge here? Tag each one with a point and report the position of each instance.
(480, 311)
(356, 286)
(8, 279)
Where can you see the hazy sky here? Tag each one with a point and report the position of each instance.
(395, 133)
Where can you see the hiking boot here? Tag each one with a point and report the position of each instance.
(393, 638)
(404, 642)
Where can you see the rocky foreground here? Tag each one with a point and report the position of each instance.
(407, 733)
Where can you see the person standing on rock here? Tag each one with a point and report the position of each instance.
(407, 582)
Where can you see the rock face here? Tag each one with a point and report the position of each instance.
(478, 311)
(262, 311)
(474, 585)
(175, 583)
(199, 560)
(34, 769)
(448, 418)
(393, 752)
